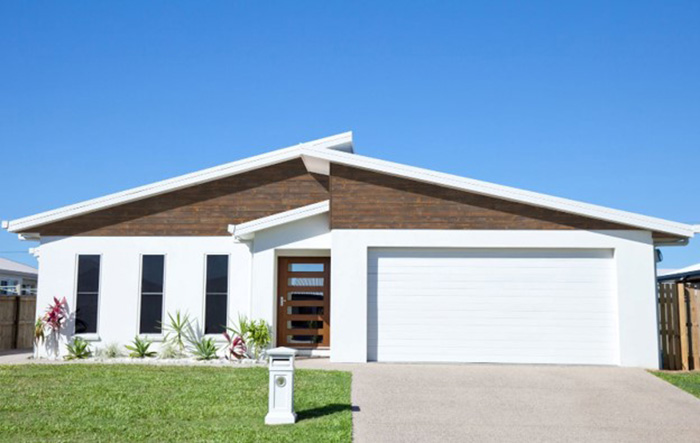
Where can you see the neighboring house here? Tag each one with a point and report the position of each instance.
(17, 278)
(362, 259)
(691, 274)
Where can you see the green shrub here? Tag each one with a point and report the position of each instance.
(111, 350)
(78, 349)
(204, 348)
(169, 350)
(140, 348)
(256, 334)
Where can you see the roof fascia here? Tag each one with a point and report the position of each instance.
(247, 230)
(504, 192)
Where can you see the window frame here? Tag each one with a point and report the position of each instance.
(88, 335)
(204, 292)
(156, 336)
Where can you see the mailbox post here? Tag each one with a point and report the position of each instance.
(281, 400)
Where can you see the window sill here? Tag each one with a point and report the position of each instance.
(153, 337)
(89, 337)
(218, 338)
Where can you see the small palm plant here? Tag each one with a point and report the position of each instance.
(111, 350)
(78, 350)
(139, 349)
(39, 335)
(204, 348)
(177, 329)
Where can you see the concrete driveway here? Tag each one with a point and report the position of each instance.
(405, 403)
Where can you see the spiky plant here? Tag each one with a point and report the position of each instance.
(56, 314)
(78, 349)
(39, 336)
(236, 347)
(140, 348)
(255, 333)
(177, 329)
(204, 348)
(111, 350)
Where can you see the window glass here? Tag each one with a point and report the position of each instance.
(217, 273)
(304, 296)
(152, 276)
(87, 294)
(306, 267)
(216, 294)
(306, 281)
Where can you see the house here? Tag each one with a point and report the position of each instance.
(690, 274)
(361, 259)
(17, 278)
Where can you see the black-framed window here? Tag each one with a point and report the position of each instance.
(87, 297)
(152, 275)
(216, 294)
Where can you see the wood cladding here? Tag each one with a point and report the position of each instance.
(363, 199)
(206, 209)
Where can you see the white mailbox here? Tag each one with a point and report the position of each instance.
(281, 401)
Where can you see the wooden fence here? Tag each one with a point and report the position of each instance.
(679, 317)
(17, 321)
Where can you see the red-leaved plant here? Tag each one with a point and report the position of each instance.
(236, 347)
(56, 314)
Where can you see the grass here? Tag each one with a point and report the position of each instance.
(165, 403)
(688, 381)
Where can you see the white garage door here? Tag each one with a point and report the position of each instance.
(489, 305)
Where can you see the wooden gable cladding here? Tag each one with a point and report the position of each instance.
(206, 209)
(363, 199)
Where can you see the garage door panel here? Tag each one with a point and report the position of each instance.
(485, 305)
(511, 305)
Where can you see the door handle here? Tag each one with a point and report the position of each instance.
(281, 302)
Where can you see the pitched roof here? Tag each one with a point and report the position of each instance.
(319, 154)
(15, 267)
(672, 274)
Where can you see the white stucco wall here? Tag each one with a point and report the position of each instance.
(634, 259)
(119, 298)
(253, 276)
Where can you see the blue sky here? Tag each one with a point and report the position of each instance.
(594, 101)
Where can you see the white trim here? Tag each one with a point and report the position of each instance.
(505, 192)
(247, 230)
(340, 141)
(696, 228)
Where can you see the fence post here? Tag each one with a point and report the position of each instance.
(682, 326)
(693, 320)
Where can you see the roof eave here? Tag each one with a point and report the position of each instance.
(506, 193)
(246, 231)
(342, 142)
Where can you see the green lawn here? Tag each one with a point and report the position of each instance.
(688, 381)
(165, 403)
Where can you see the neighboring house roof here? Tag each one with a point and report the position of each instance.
(13, 267)
(678, 274)
(319, 154)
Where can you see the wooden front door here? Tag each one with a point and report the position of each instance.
(304, 302)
